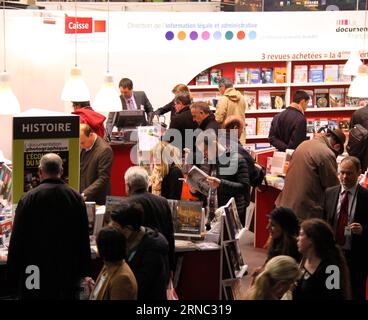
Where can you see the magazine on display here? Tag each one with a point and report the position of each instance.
(5, 185)
(188, 217)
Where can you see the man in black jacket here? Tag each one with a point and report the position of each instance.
(157, 213)
(50, 240)
(350, 199)
(204, 116)
(360, 116)
(289, 127)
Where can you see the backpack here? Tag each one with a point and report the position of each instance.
(358, 140)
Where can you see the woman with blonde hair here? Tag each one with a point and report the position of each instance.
(275, 280)
(166, 176)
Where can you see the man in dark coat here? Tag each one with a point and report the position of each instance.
(360, 116)
(204, 116)
(157, 213)
(355, 243)
(181, 123)
(95, 166)
(289, 127)
(50, 241)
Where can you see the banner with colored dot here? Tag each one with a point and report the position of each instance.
(206, 35)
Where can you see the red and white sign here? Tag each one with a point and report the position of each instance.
(78, 25)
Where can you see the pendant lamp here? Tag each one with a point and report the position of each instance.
(107, 98)
(9, 104)
(352, 65)
(359, 86)
(75, 88)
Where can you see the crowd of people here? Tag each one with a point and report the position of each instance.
(318, 229)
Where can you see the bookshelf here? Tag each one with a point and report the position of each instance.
(320, 78)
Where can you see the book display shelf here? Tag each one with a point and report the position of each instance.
(268, 88)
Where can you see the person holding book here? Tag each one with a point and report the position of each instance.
(228, 173)
(322, 262)
(116, 280)
(166, 178)
(170, 107)
(289, 128)
(312, 169)
(147, 252)
(231, 103)
(275, 280)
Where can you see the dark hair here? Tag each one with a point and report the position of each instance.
(233, 122)
(126, 83)
(354, 160)
(129, 214)
(81, 104)
(300, 95)
(322, 237)
(111, 244)
(225, 82)
(184, 98)
(201, 106)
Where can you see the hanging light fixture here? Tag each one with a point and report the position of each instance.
(107, 98)
(359, 86)
(9, 104)
(75, 89)
(352, 65)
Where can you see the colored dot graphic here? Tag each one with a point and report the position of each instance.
(193, 35)
(217, 35)
(205, 35)
(169, 35)
(241, 35)
(181, 35)
(252, 35)
(229, 35)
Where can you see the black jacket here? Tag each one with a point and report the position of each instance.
(170, 107)
(50, 231)
(288, 129)
(171, 186)
(360, 116)
(157, 215)
(150, 266)
(209, 123)
(181, 121)
(359, 244)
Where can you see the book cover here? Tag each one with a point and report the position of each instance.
(264, 100)
(344, 124)
(316, 73)
(337, 97)
(333, 124)
(267, 75)
(262, 145)
(321, 125)
(241, 76)
(264, 125)
(197, 179)
(277, 99)
(5, 185)
(300, 74)
(250, 126)
(321, 97)
(187, 218)
(279, 75)
(254, 75)
(250, 98)
(311, 103)
(37, 132)
(310, 125)
(202, 78)
(342, 77)
(232, 212)
(215, 76)
(331, 73)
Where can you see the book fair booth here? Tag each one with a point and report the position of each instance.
(267, 59)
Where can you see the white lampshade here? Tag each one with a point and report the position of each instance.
(352, 65)
(107, 99)
(359, 86)
(9, 104)
(75, 89)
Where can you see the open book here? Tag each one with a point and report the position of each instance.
(197, 179)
